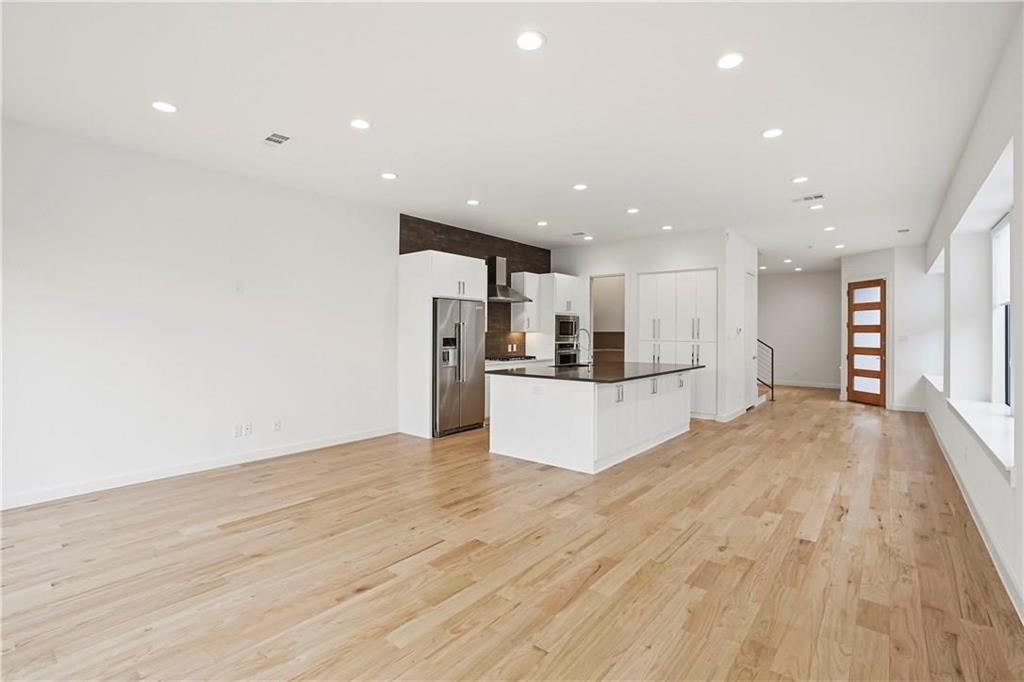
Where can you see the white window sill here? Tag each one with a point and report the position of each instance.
(991, 424)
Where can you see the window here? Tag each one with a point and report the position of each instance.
(1002, 385)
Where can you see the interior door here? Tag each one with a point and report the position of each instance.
(865, 342)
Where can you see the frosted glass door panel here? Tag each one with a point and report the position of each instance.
(867, 340)
(873, 362)
(867, 317)
(867, 295)
(867, 385)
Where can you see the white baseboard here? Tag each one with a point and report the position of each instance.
(729, 416)
(1005, 575)
(907, 408)
(26, 498)
(806, 384)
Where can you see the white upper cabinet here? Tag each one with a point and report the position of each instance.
(553, 293)
(454, 276)
(697, 305)
(686, 306)
(666, 306)
(526, 317)
(707, 305)
(566, 293)
(647, 285)
(657, 306)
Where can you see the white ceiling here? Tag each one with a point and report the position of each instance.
(876, 101)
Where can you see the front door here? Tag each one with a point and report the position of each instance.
(865, 342)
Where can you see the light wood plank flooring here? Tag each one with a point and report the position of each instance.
(809, 539)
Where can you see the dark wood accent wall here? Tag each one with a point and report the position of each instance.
(420, 234)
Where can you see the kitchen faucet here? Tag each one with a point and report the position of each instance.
(590, 343)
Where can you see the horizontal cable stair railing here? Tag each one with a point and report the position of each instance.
(766, 366)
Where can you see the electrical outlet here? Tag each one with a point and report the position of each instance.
(238, 430)
(247, 429)
(277, 424)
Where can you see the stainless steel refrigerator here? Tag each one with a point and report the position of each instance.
(458, 365)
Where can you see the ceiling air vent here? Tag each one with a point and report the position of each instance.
(276, 139)
(809, 197)
(579, 234)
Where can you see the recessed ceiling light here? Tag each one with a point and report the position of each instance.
(788, 260)
(830, 229)
(798, 269)
(763, 267)
(799, 180)
(588, 237)
(771, 132)
(542, 223)
(730, 61)
(530, 40)
(165, 107)
(666, 227)
(632, 211)
(389, 175)
(473, 202)
(816, 207)
(359, 123)
(579, 187)
(840, 246)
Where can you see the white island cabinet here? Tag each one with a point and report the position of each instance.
(587, 418)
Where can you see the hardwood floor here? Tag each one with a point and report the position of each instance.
(809, 539)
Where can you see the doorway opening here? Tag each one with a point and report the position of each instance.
(608, 318)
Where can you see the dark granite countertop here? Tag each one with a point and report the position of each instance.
(604, 373)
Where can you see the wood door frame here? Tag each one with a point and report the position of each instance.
(851, 350)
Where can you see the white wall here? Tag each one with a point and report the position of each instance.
(682, 251)
(914, 315)
(798, 314)
(152, 305)
(996, 497)
(917, 327)
(970, 310)
(738, 372)
(609, 294)
(858, 268)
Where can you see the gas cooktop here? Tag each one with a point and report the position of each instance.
(513, 358)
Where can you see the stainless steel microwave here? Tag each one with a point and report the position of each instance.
(567, 327)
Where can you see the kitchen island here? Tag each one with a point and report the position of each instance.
(587, 418)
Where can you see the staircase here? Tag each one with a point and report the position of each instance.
(766, 367)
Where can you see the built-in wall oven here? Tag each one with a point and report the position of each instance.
(567, 328)
(566, 354)
(567, 349)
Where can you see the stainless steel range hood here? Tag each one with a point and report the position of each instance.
(498, 290)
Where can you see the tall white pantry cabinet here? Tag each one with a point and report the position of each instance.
(678, 323)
